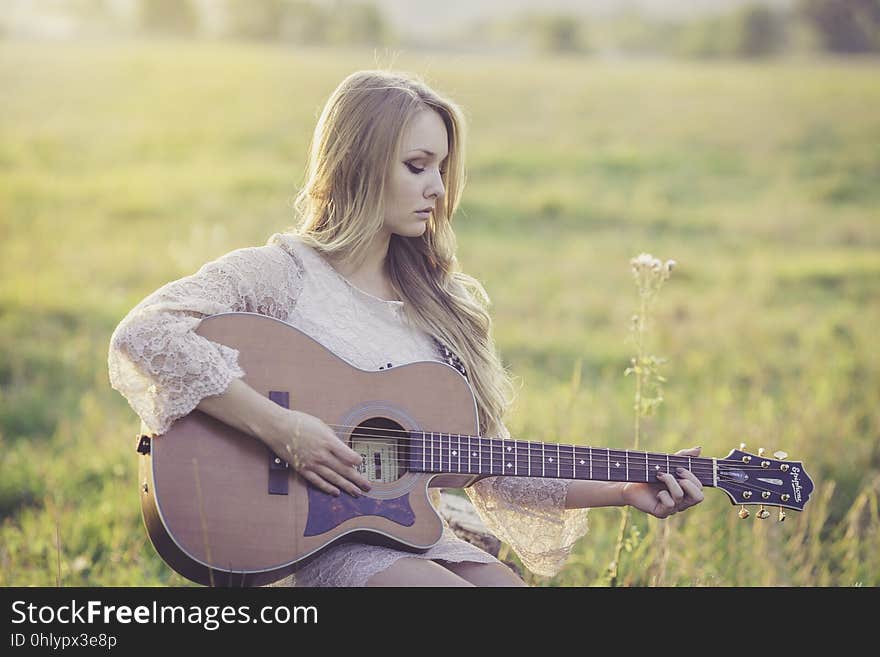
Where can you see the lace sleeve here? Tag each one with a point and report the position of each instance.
(161, 366)
(529, 514)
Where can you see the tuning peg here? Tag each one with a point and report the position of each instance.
(742, 446)
(781, 514)
(760, 451)
(780, 455)
(762, 513)
(743, 512)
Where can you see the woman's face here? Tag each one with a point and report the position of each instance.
(415, 182)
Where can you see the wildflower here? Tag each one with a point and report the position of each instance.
(650, 273)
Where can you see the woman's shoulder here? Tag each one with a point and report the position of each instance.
(293, 246)
(281, 249)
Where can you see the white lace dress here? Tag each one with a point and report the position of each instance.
(164, 370)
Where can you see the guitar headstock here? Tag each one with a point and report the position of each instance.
(757, 479)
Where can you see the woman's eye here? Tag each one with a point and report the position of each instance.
(417, 170)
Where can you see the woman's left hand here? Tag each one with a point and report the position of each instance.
(670, 495)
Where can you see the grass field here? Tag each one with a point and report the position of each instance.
(125, 166)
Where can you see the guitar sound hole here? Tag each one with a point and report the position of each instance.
(384, 448)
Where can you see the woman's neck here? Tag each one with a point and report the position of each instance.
(371, 274)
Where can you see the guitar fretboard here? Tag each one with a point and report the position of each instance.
(463, 454)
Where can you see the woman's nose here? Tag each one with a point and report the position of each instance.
(435, 188)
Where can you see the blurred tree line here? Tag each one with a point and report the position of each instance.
(837, 26)
(297, 21)
(750, 31)
(755, 30)
(336, 22)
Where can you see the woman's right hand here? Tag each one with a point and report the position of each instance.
(317, 453)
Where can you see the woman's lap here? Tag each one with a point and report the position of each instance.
(354, 564)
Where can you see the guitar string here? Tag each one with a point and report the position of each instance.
(406, 434)
(497, 451)
(733, 484)
(564, 462)
(493, 448)
(705, 470)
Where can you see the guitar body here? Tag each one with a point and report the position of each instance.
(222, 510)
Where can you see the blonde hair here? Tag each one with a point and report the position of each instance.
(340, 208)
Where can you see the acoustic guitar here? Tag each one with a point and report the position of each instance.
(222, 509)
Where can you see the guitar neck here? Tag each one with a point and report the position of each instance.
(462, 454)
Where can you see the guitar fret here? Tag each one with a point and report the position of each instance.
(626, 457)
(646, 466)
(459, 453)
(449, 438)
(543, 460)
(608, 452)
(529, 452)
(558, 459)
(591, 461)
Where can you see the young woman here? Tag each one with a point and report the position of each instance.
(370, 272)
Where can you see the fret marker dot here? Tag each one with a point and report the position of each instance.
(617, 464)
(509, 466)
(509, 448)
(473, 454)
(582, 461)
(550, 459)
(454, 453)
(656, 467)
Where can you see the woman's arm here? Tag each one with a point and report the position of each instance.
(303, 440)
(669, 495)
(165, 369)
(590, 494)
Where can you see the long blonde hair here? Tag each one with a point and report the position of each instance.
(341, 207)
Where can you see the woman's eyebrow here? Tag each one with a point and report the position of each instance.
(426, 152)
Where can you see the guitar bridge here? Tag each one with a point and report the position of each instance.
(143, 446)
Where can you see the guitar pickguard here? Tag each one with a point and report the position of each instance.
(327, 511)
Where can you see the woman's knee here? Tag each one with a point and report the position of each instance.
(411, 571)
(485, 574)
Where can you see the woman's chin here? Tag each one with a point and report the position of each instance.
(416, 229)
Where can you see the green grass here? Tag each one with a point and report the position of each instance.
(125, 166)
